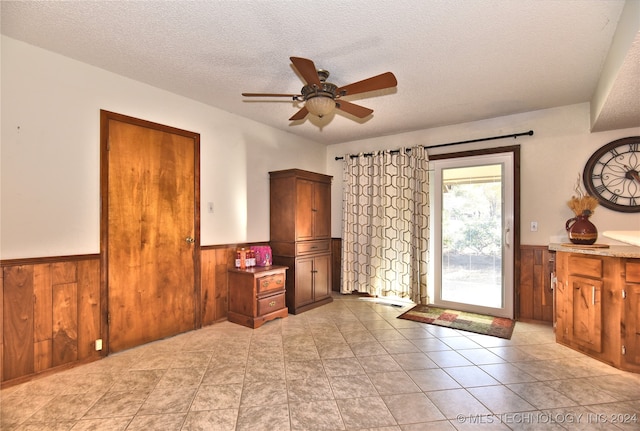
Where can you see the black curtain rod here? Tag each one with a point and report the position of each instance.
(513, 135)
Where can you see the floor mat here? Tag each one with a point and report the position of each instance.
(472, 322)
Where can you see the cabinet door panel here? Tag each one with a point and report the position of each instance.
(322, 210)
(586, 322)
(322, 277)
(304, 207)
(631, 319)
(304, 281)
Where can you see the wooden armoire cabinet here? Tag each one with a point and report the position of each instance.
(300, 226)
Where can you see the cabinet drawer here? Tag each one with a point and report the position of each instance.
(307, 247)
(586, 266)
(270, 283)
(270, 303)
(632, 271)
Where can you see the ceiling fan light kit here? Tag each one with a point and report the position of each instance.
(321, 97)
(320, 105)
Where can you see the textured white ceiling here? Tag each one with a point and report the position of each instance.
(455, 60)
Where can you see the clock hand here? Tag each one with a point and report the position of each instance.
(632, 173)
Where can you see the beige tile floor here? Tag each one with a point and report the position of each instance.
(348, 365)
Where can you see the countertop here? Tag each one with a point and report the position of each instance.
(612, 250)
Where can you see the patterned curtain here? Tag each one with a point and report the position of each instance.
(385, 238)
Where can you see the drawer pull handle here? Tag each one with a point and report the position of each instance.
(279, 281)
(265, 283)
(272, 303)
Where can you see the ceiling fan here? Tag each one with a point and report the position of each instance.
(322, 97)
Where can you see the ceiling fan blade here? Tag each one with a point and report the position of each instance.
(353, 109)
(300, 114)
(307, 69)
(379, 82)
(270, 95)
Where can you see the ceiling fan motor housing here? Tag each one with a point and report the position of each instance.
(328, 90)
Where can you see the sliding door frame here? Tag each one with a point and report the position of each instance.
(515, 150)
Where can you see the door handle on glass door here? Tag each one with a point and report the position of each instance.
(507, 230)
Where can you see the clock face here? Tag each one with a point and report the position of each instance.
(612, 175)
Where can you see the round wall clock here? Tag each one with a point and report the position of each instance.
(612, 175)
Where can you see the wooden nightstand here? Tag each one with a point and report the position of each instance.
(257, 295)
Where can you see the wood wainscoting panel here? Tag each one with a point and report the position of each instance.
(64, 272)
(43, 306)
(225, 257)
(88, 307)
(1, 325)
(51, 314)
(535, 297)
(215, 264)
(65, 324)
(208, 287)
(215, 261)
(336, 264)
(18, 322)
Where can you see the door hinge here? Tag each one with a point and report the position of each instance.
(624, 350)
(108, 318)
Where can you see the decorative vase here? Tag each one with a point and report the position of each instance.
(581, 230)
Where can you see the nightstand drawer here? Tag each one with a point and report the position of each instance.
(270, 283)
(270, 304)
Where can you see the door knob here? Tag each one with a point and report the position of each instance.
(190, 240)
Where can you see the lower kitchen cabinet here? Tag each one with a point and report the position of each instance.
(597, 300)
(631, 315)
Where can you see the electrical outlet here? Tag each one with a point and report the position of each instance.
(534, 226)
(99, 344)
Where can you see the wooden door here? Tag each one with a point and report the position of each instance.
(152, 230)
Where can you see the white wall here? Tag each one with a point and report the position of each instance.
(50, 175)
(551, 160)
(50, 155)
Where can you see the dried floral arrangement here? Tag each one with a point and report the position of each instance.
(582, 202)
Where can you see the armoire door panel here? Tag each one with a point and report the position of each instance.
(321, 277)
(304, 281)
(304, 210)
(322, 210)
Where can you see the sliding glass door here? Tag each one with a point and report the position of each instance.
(473, 237)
